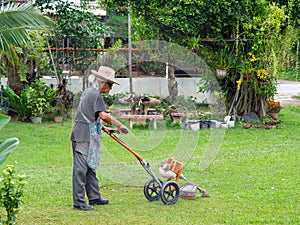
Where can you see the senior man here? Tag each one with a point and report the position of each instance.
(87, 141)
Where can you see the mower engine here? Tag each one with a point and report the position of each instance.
(170, 168)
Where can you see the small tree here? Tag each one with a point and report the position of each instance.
(11, 186)
(11, 191)
(79, 27)
(17, 20)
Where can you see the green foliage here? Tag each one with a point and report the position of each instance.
(224, 33)
(6, 147)
(185, 21)
(37, 106)
(118, 63)
(57, 110)
(34, 57)
(156, 67)
(289, 75)
(185, 103)
(267, 54)
(62, 99)
(74, 22)
(16, 22)
(223, 59)
(11, 192)
(9, 144)
(34, 100)
(110, 99)
(117, 24)
(39, 97)
(17, 103)
(11, 186)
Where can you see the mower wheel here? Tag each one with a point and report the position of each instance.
(170, 192)
(152, 189)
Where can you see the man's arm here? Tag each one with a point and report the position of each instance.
(107, 118)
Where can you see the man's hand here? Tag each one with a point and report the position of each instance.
(106, 129)
(122, 130)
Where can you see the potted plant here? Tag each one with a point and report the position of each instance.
(273, 108)
(223, 64)
(38, 106)
(38, 100)
(58, 112)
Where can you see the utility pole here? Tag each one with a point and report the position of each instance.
(129, 50)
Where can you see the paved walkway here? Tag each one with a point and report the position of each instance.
(288, 92)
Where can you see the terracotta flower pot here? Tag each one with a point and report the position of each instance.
(58, 119)
(221, 73)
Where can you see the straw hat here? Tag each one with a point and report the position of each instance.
(106, 74)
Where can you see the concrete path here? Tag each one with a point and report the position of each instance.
(288, 92)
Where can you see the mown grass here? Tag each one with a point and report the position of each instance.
(254, 178)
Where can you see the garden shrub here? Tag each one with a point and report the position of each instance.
(11, 191)
(34, 100)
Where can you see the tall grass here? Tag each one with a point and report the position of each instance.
(254, 178)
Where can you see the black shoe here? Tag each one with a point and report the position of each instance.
(99, 201)
(83, 207)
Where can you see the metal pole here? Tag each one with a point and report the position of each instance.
(129, 50)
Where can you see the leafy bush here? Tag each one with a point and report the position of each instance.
(9, 144)
(11, 186)
(17, 104)
(11, 190)
(34, 100)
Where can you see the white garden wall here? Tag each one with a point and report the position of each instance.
(152, 86)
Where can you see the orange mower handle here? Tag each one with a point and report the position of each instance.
(111, 132)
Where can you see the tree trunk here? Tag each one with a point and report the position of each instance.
(13, 78)
(247, 101)
(172, 84)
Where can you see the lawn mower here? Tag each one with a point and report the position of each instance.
(155, 189)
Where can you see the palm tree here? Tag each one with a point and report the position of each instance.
(16, 20)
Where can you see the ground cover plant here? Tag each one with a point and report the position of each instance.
(253, 180)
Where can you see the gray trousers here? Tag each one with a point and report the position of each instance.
(84, 179)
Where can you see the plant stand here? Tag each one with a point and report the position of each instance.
(177, 117)
(141, 119)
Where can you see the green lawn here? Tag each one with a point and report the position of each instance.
(253, 179)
